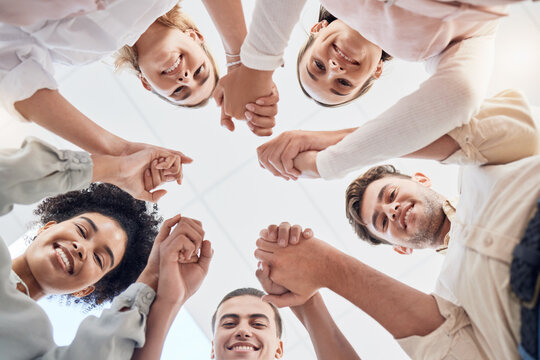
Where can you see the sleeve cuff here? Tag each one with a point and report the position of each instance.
(23, 81)
(324, 162)
(138, 295)
(254, 59)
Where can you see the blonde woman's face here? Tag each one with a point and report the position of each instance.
(338, 63)
(174, 65)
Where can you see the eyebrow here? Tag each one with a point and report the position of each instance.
(379, 198)
(92, 224)
(310, 74)
(333, 91)
(107, 248)
(252, 316)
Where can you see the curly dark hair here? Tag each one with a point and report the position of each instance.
(139, 223)
(355, 194)
(326, 15)
(251, 292)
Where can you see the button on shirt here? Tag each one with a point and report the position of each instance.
(27, 53)
(472, 292)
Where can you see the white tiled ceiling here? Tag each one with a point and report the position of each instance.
(234, 198)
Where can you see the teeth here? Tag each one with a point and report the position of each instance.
(64, 258)
(243, 348)
(407, 216)
(345, 56)
(173, 67)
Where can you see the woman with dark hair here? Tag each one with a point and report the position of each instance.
(455, 39)
(92, 244)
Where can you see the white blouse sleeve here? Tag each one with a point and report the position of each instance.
(25, 66)
(448, 99)
(38, 170)
(271, 26)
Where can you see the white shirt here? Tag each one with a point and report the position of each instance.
(27, 53)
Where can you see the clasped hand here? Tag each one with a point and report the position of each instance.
(247, 94)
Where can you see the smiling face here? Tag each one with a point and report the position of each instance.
(338, 63)
(404, 212)
(246, 329)
(174, 65)
(69, 256)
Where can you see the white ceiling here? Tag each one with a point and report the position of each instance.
(234, 198)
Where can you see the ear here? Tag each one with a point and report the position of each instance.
(378, 71)
(195, 35)
(84, 292)
(422, 179)
(279, 350)
(403, 250)
(145, 83)
(46, 226)
(318, 26)
(212, 354)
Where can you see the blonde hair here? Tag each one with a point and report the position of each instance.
(175, 18)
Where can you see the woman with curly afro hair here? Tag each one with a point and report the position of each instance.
(94, 243)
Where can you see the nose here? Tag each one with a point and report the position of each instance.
(184, 77)
(78, 250)
(392, 210)
(334, 65)
(243, 333)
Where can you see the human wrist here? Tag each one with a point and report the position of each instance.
(149, 278)
(330, 269)
(104, 168)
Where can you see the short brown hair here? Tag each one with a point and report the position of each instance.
(175, 18)
(355, 194)
(326, 15)
(250, 292)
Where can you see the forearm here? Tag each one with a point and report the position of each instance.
(271, 26)
(228, 17)
(400, 309)
(327, 339)
(52, 111)
(438, 150)
(160, 319)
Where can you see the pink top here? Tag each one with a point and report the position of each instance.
(431, 25)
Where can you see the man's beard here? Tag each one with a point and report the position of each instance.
(429, 227)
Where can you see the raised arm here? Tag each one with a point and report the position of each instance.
(313, 264)
(228, 17)
(447, 100)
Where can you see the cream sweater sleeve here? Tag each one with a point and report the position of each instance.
(448, 99)
(271, 26)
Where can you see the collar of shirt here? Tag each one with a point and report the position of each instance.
(449, 208)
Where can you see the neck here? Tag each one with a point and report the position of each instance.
(21, 268)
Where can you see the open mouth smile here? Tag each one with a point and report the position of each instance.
(243, 347)
(344, 56)
(64, 258)
(174, 67)
(405, 215)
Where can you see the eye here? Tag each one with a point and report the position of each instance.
(81, 230)
(384, 223)
(319, 65)
(393, 195)
(178, 89)
(198, 71)
(98, 260)
(344, 82)
(259, 325)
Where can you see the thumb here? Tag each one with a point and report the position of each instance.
(158, 194)
(206, 255)
(226, 121)
(284, 300)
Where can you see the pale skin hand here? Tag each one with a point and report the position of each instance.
(174, 281)
(306, 163)
(49, 109)
(277, 155)
(240, 87)
(129, 172)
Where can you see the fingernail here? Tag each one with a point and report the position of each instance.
(282, 242)
(250, 107)
(260, 266)
(259, 102)
(147, 172)
(248, 115)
